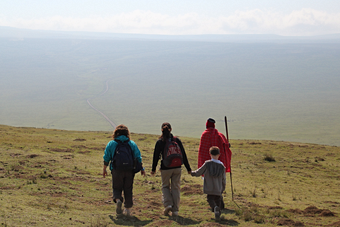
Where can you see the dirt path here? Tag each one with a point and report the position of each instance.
(106, 117)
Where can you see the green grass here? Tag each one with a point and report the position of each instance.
(53, 178)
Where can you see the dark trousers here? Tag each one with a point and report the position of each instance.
(123, 181)
(214, 200)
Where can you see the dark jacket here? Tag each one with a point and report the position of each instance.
(158, 154)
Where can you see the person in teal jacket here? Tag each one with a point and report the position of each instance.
(122, 180)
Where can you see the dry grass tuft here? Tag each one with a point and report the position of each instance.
(269, 158)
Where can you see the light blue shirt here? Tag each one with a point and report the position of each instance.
(217, 161)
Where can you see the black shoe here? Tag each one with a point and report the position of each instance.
(217, 212)
(119, 207)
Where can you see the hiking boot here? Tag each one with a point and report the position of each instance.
(217, 212)
(119, 207)
(127, 211)
(175, 213)
(167, 210)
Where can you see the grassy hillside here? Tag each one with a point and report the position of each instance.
(53, 178)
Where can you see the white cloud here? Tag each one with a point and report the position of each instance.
(302, 22)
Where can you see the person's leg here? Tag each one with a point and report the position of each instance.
(166, 191)
(117, 185)
(222, 203)
(217, 210)
(176, 189)
(211, 201)
(128, 188)
(219, 202)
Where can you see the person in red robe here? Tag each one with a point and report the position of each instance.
(212, 137)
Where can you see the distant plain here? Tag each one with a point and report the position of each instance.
(268, 90)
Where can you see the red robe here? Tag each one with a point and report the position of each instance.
(211, 137)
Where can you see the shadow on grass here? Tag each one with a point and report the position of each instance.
(228, 211)
(229, 222)
(128, 221)
(224, 221)
(183, 221)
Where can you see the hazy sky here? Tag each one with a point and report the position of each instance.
(176, 17)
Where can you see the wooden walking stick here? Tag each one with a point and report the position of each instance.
(231, 179)
(226, 129)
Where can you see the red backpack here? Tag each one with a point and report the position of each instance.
(172, 155)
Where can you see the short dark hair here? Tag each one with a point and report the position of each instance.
(214, 150)
(121, 130)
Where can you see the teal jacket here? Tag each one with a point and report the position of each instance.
(111, 148)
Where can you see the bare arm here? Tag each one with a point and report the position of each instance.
(104, 171)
